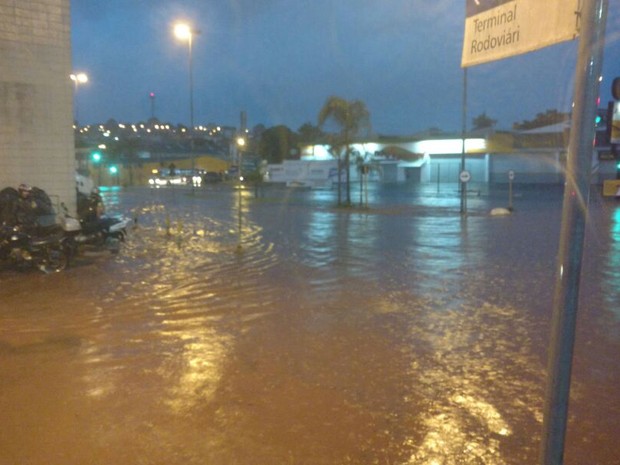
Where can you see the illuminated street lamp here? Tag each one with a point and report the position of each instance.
(240, 146)
(185, 32)
(77, 78)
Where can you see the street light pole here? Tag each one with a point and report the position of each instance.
(77, 78)
(185, 32)
(240, 146)
(152, 98)
(572, 232)
(463, 185)
(191, 87)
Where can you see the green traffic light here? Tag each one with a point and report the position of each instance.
(96, 157)
(113, 169)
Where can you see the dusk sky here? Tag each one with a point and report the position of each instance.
(279, 60)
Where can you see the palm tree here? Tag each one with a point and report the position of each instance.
(351, 117)
(365, 167)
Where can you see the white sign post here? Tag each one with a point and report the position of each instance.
(464, 177)
(511, 176)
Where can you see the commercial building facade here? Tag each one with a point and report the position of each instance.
(537, 156)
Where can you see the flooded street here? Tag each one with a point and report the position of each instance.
(280, 330)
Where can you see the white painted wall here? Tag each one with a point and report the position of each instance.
(36, 117)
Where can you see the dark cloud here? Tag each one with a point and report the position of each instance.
(279, 60)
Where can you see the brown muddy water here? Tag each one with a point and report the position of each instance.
(280, 330)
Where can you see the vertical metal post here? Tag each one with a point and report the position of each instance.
(575, 204)
(240, 205)
(463, 135)
(191, 82)
(76, 108)
(191, 108)
(240, 144)
(366, 190)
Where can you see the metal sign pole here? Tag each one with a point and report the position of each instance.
(463, 135)
(575, 204)
(511, 176)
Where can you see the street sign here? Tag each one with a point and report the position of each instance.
(465, 176)
(511, 175)
(496, 29)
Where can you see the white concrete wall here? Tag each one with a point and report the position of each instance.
(36, 117)
(314, 173)
(535, 166)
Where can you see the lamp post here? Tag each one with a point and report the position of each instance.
(240, 146)
(152, 99)
(77, 78)
(463, 184)
(185, 32)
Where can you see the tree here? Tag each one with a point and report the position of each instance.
(547, 118)
(309, 134)
(276, 144)
(351, 117)
(365, 167)
(258, 130)
(482, 121)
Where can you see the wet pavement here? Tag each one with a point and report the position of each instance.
(281, 330)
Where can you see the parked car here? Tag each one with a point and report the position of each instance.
(176, 177)
(212, 177)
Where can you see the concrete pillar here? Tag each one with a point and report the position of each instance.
(36, 133)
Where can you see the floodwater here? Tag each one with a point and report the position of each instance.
(280, 330)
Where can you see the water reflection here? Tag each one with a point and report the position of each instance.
(198, 353)
(611, 285)
(401, 334)
(479, 402)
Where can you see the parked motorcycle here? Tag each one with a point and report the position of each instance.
(48, 252)
(29, 234)
(93, 227)
(106, 232)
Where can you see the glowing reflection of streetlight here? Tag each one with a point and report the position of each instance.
(77, 78)
(185, 32)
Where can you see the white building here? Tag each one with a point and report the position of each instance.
(536, 156)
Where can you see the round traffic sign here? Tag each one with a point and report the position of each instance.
(511, 175)
(465, 176)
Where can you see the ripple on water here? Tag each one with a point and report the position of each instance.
(328, 337)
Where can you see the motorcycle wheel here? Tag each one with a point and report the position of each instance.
(56, 258)
(113, 244)
(119, 236)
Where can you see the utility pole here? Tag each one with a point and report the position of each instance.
(572, 234)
